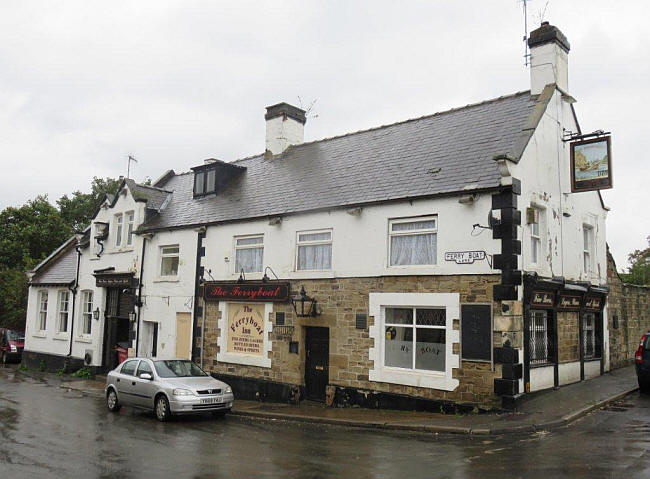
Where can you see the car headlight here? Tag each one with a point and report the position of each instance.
(228, 390)
(183, 392)
(13, 348)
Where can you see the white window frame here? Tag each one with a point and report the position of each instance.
(300, 244)
(415, 219)
(62, 293)
(441, 380)
(164, 255)
(224, 356)
(537, 238)
(587, 248)
(42, 312)
(237, 247)
(86, 312)
(119, 228)
(130, 227)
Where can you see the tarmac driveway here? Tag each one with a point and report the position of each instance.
(46, 431)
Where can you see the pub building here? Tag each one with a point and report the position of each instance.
(447, 260)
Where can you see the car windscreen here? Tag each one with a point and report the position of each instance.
(177, 369)
(15, 336)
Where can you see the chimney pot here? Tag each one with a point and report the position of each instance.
(549, 63)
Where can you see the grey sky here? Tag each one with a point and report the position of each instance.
(83, 84)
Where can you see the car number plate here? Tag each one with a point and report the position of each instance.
(211, 401)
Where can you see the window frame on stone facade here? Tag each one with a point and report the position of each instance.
(394, 234)
(540, 330)
(169, 255)
(441, 380)
(42, 310)
(246, 247)
(591, 336)
(62, 311)
(315, 245)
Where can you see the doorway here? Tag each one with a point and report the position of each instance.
(183, 331)
(118, 332)
(317, 352)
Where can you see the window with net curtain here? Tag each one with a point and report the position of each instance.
(249, 254)
(314, 251)
(413, 241)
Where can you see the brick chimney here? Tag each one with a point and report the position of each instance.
(285, 126)
(549, 52)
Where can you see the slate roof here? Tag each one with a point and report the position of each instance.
(154, 197)
(58, 268)
(444, 153)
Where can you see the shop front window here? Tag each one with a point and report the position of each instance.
(540, 334)
(591, 336)
(415, 338)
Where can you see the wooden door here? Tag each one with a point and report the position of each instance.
(183, 333)
(317, 348)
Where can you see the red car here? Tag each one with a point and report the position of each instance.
(11, 345)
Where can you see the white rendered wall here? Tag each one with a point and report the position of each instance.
(542, 378)
(544, 171)
(592, 369)
(569, 373)
(282, 132)
(360, 242)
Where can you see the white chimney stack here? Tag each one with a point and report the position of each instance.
(285, 126)
(549, 62)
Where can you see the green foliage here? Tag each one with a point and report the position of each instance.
(639, 271)
(23, 367)
(42, 366)
(60, 372)
(31, 232)
(78, 209)
(83, 373)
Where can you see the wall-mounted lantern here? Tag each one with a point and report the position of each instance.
(304, 305)
(96, 314)
(132, 316)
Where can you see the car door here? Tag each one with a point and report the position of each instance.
(143, 389)
(125, 382)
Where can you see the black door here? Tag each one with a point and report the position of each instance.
(317, 350)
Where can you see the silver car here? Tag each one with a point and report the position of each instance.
(174, 386)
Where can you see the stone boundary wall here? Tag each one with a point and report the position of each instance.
(628, 316)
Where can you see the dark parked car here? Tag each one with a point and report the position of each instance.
(11, 345)
(642, 363)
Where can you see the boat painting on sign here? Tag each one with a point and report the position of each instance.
(591, 165)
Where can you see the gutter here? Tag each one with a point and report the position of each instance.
(74, 288)
(137, 327)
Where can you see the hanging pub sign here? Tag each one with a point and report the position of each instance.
(249, 291)
(543, 299)
(591, 164)
(594, 303)
(569, 302)
(245, 329)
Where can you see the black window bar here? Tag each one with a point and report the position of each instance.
(541, 338)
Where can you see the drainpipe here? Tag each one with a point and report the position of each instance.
(73, 289)
(137, 328)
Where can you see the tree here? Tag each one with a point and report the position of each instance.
(78, 209)
(639, 271)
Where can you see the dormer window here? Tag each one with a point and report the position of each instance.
(213, 175)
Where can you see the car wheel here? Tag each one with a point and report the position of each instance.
(112, 403)
(162, 408)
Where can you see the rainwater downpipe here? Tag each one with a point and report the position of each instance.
(73, 289)
(137, 328)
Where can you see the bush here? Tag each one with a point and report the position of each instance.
(83, 373)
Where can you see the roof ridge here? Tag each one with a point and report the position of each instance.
(430, 115)
(149, 186)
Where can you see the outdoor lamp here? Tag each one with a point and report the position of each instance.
(96, 314)
(304, 305)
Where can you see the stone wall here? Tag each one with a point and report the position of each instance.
(340, 300)
(628, 316)
(568, 337)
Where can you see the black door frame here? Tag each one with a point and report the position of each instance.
(312, 380)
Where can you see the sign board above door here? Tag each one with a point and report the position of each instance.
(248, 291)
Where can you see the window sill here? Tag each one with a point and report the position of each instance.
(39, 335)
(60, 337)
(120, 250)
(589, 360)
(81, 339)
(173, 279)
(541, 365)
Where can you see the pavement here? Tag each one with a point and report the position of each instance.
(543, 410)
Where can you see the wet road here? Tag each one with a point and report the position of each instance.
(46, 431)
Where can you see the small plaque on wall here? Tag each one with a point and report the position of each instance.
(476, 332)
(362, 321)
